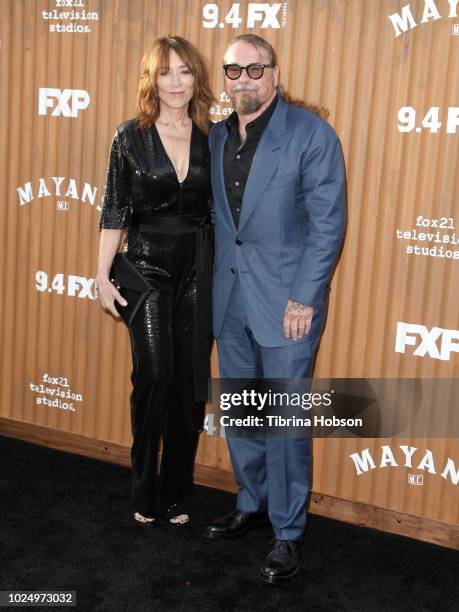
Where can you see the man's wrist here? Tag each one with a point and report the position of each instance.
(298, 303)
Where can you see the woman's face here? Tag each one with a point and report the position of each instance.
(176, 83)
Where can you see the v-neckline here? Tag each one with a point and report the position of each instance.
(166, 154)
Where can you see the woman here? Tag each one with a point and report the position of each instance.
(158, 187)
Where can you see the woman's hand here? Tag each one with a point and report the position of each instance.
(108, 293)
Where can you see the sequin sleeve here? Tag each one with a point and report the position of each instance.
(116, 201)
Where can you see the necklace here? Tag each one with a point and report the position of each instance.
(175, 129)
(175, 126)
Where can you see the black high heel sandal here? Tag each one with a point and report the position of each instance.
(174, 511)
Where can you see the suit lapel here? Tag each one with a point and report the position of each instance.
(267, 157)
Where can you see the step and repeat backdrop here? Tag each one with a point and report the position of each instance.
(387, 71)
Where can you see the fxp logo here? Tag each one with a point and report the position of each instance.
(437, 343)
(64, 102)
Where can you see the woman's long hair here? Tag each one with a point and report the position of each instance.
(157, 58)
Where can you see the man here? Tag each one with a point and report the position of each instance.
(279, 211)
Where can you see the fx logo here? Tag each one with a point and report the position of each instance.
(438, 343)
(65, 102)
(264, 13)
(77, 286)
(257, 14)
(81, 287)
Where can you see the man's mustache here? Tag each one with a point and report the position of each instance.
(238, 88)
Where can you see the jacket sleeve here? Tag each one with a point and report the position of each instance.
(116, 201)
(324, 190)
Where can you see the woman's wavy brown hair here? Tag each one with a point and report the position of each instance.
(157, 58)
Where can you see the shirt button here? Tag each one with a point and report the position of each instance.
(238, 157)
(236, 183)
(238, 209)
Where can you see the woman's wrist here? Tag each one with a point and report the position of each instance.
(102, 277)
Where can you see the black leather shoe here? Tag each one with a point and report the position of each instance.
(235, 524)
(282, 561)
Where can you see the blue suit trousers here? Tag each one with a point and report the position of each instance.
(273, 473)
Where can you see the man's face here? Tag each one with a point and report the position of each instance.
(249, 95)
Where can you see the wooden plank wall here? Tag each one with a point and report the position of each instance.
(392, 97)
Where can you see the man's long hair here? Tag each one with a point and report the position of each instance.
(155, 59)
(267, 49)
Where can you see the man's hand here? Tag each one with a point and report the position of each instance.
(297, 320)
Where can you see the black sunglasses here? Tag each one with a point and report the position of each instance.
(254, 71)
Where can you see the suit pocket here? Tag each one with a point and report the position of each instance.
(287, 273)
(281, 180)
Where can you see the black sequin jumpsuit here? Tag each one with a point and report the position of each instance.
(165, 219)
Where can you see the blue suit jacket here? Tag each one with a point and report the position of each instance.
(291, 226)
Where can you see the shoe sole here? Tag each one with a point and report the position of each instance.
(233, 536)
(178, 525)
(278, 579)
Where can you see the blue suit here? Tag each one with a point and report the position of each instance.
(286, 245)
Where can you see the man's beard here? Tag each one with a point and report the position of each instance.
(245, 103)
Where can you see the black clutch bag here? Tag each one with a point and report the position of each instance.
(124, 275)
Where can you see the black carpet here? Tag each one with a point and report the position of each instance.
(65, 524)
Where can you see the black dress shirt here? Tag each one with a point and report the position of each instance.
(238, 156)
